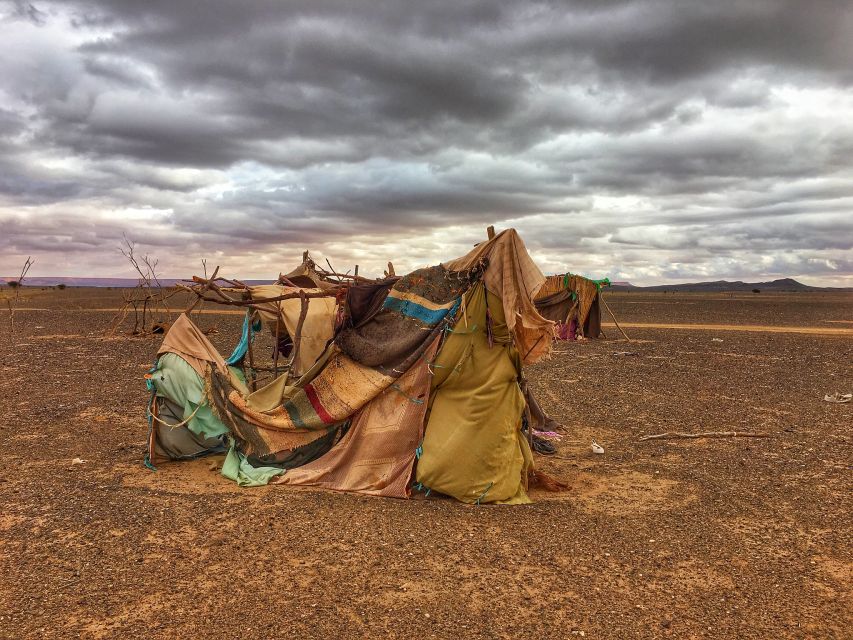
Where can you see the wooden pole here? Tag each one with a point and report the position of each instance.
(297, 339)
(277, 339)
(253, 377)
(331, 293)
(606, 306)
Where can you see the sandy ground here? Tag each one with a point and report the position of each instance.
(723, 538)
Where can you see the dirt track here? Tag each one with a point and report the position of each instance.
(760, 328)
(675, 539)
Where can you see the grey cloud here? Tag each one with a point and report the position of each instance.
(269, 124)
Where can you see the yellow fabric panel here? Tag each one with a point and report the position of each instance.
(472, 448)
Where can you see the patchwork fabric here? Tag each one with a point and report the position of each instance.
(338, 391)
(422, 376)
(377, 454)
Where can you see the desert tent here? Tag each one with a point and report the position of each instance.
(422, 382)
(573, 302)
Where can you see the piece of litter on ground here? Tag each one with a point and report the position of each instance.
(596, 448)
(716, 339)
(625, 353)
(838, 398)
(77, 461)
(548, 435)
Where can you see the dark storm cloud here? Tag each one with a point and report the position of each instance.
(262, 122)
(390, 80)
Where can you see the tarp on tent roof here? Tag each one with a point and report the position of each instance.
(307, 277)
(513, 277)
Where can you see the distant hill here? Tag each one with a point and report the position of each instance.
(785, 284)
(46, 281)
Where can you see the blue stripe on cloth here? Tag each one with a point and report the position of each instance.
(415, 310)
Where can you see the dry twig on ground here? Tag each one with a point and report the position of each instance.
(705, 434)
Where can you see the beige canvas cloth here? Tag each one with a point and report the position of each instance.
(377, 454)
(515, 279)
(186, 340)
(317, 330)
(304, 274)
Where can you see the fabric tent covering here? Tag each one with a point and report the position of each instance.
(421, 385)
(573, 302)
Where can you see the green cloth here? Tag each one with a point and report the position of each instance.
(176, 380)
(238, 469)
(473, 448)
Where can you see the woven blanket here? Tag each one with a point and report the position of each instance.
(377, 454)
(409, 320)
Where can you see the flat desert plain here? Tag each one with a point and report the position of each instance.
(670, 538)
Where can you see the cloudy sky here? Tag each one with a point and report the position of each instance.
(645, 140)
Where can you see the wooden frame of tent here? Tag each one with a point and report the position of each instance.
(210, 290)
(310, 281)
(309, 274)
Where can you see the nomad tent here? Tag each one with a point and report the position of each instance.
(572, 302)
(412, 382)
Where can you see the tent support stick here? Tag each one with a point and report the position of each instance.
(277, 340)
(297, 339)
(607, 306)
(253, 380)
(531, 349)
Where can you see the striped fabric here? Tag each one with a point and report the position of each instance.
(417, 307)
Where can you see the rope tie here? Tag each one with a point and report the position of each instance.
(397, 388)
(483, 495)
(169, 424)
